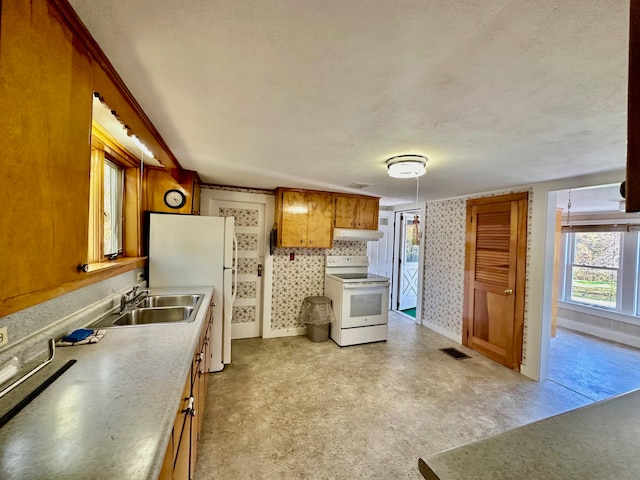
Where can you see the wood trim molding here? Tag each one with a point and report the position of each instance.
(102, 140)
(73, 21)
(97, 272)
(509, 197)
(633, 112)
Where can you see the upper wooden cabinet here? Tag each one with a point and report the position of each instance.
(354, 211)
(304, 218)
(158, 182)
(45, 99)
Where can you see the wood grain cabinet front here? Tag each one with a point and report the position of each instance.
(354, 211)
(304, 218)
(160, 186)
(182, 451)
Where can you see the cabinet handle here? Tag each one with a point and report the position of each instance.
(310, 241)
(301, 241)
(199, 357)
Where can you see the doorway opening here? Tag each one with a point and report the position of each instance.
(406, 265)
(594, 344)
(397, 256)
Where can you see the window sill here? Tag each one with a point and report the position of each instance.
(96, 273)
(600, 312)
(124, 264)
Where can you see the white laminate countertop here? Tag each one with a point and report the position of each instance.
(110, 415)
(598, 442)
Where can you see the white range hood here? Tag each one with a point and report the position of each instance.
(352, 234)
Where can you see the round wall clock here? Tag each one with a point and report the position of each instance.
(174, 198)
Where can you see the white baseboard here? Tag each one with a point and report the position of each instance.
(438, 329)
(605, 333)
(287, 332)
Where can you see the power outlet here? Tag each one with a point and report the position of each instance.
(140, 277)
(4, 336)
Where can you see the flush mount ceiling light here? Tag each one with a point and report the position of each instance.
(406, 166)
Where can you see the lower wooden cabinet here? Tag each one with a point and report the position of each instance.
(180, 458)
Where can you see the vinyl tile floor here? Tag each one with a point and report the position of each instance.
(593, 367)
(289, 408)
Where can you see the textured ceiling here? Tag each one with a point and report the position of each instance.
(318, 93)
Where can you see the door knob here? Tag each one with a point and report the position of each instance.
(508, 291)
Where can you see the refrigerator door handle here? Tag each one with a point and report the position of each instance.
(235, 268)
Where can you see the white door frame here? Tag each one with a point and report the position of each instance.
(374, 249)
(267, 273)
(395, 280)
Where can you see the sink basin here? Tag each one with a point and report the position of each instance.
(143, 316)
(148, 316)
(169, 301)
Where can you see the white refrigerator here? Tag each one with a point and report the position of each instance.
(195, 251)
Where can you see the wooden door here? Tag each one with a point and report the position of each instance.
(495, 277)
(320, 220)
(556, 271)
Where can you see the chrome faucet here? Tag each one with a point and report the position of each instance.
(132, 297)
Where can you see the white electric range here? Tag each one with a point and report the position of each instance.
(360, 301)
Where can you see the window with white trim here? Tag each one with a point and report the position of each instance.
(601, 269)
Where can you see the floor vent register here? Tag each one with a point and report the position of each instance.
(457, 354)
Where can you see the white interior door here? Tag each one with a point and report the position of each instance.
(380, 253)
(409, 256)
(249, 229)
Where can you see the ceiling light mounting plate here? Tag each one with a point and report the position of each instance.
(406, 166)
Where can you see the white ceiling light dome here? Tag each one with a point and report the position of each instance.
(407, 166)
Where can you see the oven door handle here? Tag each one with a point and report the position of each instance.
(353, 286)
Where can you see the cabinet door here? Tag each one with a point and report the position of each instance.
(182, 437)
(320, 220)
(367, 213)
(345, 212)
(294, 219)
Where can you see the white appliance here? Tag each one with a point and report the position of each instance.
(195, 251)
(360, 301)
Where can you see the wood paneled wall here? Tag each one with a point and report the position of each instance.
(45, 100)
(49, 68)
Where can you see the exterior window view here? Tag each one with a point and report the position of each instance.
(594, 268)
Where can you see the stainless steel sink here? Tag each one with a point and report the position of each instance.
(155, 309)
(145, 316)
(169, 301)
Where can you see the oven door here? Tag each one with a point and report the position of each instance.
(364, 304)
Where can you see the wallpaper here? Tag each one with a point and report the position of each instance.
(247, 241)
(300, 278)
(443, 285)
(246, 290)
(247, 265)
(226, 188)
(244, 314)
(444, 263)
(244, 217)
